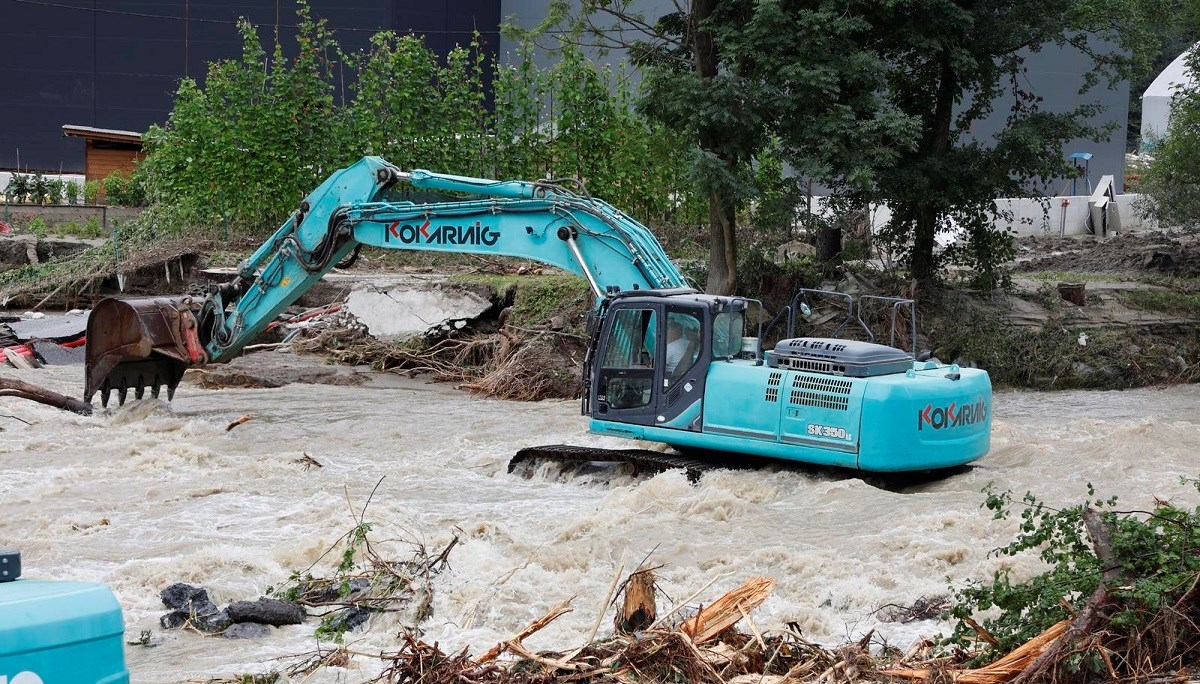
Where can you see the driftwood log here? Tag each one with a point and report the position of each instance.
(727, 610)
(10, 387)
(533, 627)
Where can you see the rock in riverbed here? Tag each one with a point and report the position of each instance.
(266, 612)
(240, 620)
(188, 599)
(247, 630)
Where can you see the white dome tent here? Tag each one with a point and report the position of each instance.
(1156, 101)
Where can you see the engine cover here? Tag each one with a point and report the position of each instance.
(850, 358)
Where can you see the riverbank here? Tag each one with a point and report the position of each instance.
(1080, 312)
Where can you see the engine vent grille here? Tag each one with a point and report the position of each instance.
(773, 382)
(835, 385)
(821, 392)
(812, 366)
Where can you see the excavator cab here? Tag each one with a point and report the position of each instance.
(651, 352)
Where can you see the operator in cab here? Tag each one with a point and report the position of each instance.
(680, 339)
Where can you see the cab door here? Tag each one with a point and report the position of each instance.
(686, 357)
(629, 365)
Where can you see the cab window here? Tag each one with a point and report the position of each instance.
(627, 374)
(683, 343)
(631, 342)
(728, 328)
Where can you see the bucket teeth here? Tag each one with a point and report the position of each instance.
(140, 375)
(171, 391)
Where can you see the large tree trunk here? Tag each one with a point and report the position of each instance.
(829, 245)
(722, 246)
(722, 215)
(934, 147)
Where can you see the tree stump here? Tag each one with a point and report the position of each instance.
(638, 610)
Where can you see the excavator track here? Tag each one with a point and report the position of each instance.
(643, 460)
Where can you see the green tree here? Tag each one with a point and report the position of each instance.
(1172, 182)
(948, 62)
(259, 135)
(878, 100)
(696, 91)
(819, 86)
(265, 129)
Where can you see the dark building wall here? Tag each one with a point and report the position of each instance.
(117, 63)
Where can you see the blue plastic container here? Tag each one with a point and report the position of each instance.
(60, 633)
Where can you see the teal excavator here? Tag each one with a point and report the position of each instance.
(665, 363)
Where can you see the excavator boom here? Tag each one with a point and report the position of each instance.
(138, 343)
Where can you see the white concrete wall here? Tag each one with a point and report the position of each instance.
(1026, 216)
(1048, 216)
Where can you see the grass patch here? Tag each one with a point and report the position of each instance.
(1174, 282)
(1186, 304)
(538, 298)
(223, 258)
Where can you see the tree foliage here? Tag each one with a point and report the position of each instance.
(949, 64)
(693, 87)
(1172, 182)
(879, 102)
(261, 132)
(265, 129)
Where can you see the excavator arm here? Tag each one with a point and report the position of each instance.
(148, 343)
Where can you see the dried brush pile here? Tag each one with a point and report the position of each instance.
(1120, 604)
(522, 364)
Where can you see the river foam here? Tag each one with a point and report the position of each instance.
(151, 494)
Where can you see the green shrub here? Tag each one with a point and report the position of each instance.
(91, 192)
(38, 227)
(18, 187)
(125, 190)
(92, 228)
(54, 191)
(774, 283)
(73, 192)
(1155, 551)
(39, 188)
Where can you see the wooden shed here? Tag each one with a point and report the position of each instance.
(108, 150)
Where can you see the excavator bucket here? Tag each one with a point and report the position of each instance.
(135, 344)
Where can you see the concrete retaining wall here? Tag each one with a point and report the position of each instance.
(1027, 216)
(1065, 215)
(19, 216)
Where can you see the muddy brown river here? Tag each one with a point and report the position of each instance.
(151, 494)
